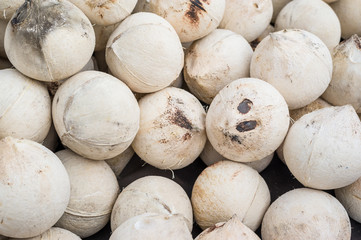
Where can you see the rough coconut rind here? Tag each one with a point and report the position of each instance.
(323, 148)
(95, 115)
(192, 20)
(348, 12)
(301, 79)
(149, 63)
(153, 226)
(151, 194)
(227, 188)
(49, 40)
(350, 198)
(34, 188)
(53, 234)
(247, 120)
(306, 214)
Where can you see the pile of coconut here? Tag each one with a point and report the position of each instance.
(89, 86)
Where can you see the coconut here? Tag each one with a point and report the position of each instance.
(277, 6)
(172, 129)
(348, 13)
(214, 61)
(308, 153)
(306, 214)
(149, 63)
(153, 226)
(248, 18)
(25, 107)
(274, 61)
(8, 8)
(49, 40)
(118, 163)
(314, 16)
(3, 25)
(95, 115)
(345, 84)
(102, 34)
(247, 120)
(350, 198)
(192, 20)
(151, 194)
(52, 234)
(34, 188)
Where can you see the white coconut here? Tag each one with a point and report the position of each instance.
(214, 61)
(102, 34)
(25, 107)
(4, 63)
(8, 8)
(248, 18)
(192, 20)
(95, 115)
(53, 234)
(3, 25)
(151, 194)
(34, 188)
(153, 226)
(172, 129)
(227, 188)
(277, 7)
(149, 63)
(247, 120)
(301, 79)
(94, 189)
(323, 148)
(348, 12)
(118, 163)
(314, 16)
(233, 229)
(105, 12)
(306, 214)
(345, 84)
(49, 40)
(350, 198)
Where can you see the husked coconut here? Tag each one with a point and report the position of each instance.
(345, 84)
(248, 18)
(95, 115)
(172, 129)
(105, 12)
(233, 229)
(25, 107)
(118, 163)
(247, 120)
(323, 148)
(49, 40)
(314, 16)
(94, 189)
(277, 7)
(214, 61)
(306, 214)
(192, 20)
(102, 34)
(34, 188)
(151, 194)
(3, 25)
(301, 79)
(348, 12)
(227, 188)
(153, 226)
(350, 198)
(52, 234)
(148, 63)
(8, 8)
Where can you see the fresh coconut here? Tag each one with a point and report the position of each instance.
(105, 12)
(323, 148)
(49, 40)
(191, 19)
(102, 34)
(8, 8)
(248, 18)
(227, 188)
(314, 16)
(301, 79)
(172, 129)
(350, 198)
(53, 234)
(34, 187)
(306, 214)
(95, 115)
(118, 163)
(149, 63)
(277, 7)
(247, 120)
(345, 84)
(348, 12)
(153, 226)
(214, 61)
(151, 194)
(25, 107)
(3, 25)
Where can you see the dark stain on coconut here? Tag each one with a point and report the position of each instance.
(245, 106)
(233, 137)
(246, 126)
(180, 119)
(195, 8)
(186, 136)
